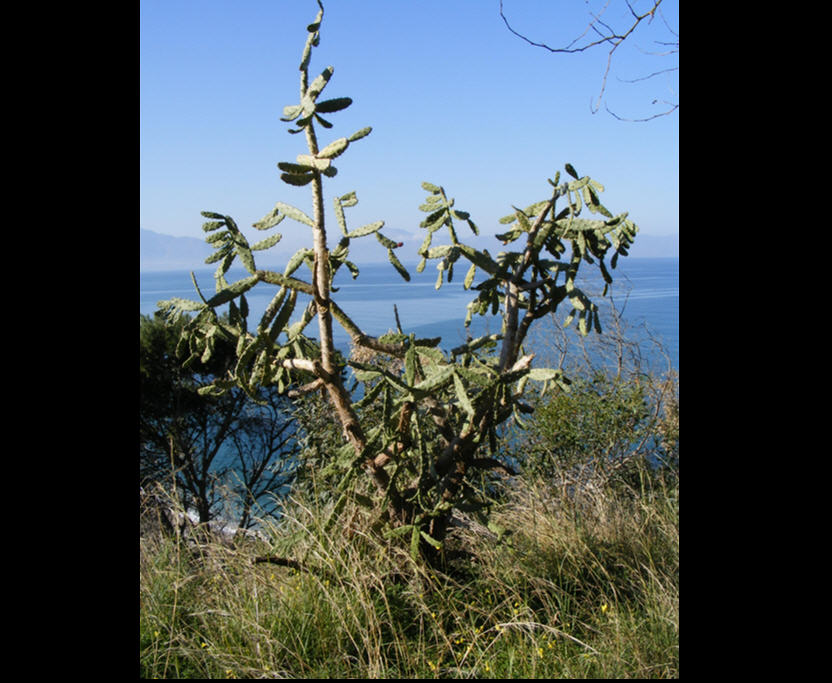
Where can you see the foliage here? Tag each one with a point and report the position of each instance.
(598, 423)
(428, 423)
(220, 450)
(581, 592)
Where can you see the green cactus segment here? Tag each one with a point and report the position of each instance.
(294, 169)
(271, 219)
(267, 243)
(333, 105)
(462, 395)
(295, 214)
(469, 276)
(349, 199)
(398, 265)
(297, 179)
(334, 149)
(283, 317)
(364, 132)
(339, 216)
(435, 380)
(317, 86)
(212, 225)
(434, 413)
(246, 258)
(313, 163)
(218, 237)
(386, 241)
(297, 259)
(179, 305)
(217, 388)
(368, 229)
(233, 291)
(291, 112)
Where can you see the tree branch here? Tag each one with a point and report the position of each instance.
(608, 36)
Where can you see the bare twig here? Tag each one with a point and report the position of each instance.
(607, 35)
(673, 108)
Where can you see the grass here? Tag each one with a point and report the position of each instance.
(581, 588)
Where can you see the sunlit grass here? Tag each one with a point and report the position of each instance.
(575, 592)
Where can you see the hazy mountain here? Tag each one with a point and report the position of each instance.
(655, 246)
(166, 252)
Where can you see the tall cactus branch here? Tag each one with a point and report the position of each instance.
(424, 411)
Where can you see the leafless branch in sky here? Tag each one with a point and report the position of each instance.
(599, 32)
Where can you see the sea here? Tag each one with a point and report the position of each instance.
(645, 294)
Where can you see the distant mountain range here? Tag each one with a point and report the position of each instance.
(166, 252)
(655, 246)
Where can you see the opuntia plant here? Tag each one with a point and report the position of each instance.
(440, 410)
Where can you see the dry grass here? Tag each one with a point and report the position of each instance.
(581, 588)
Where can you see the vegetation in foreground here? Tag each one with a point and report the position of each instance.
(583, 585)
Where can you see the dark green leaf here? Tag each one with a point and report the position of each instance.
(298, 180)
(322, 121)
(294, 169)
(213, 225)
(333, 105)
(397, 265)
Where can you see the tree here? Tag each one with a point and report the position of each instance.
(421, 427)
(599, 33)
(218, 449)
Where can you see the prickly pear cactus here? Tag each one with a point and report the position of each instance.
(426, 423)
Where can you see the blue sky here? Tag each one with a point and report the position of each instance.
(453, 98)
